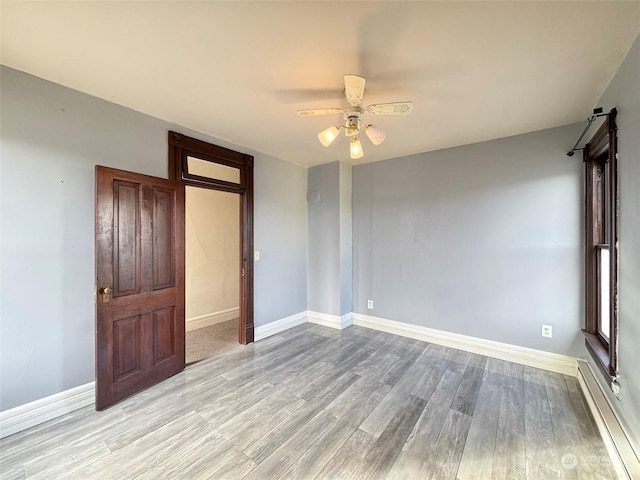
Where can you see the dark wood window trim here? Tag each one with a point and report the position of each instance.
(601, 232)
(180, 148)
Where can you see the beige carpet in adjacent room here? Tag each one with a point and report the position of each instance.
(212, 340)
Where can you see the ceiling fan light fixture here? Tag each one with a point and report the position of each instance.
(327, 136)
(376, 135)
(353, 114)
(356, 148)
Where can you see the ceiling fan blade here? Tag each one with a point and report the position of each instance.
(318, 111)
(395, 108)
(354, 89)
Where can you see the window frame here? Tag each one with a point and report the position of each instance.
(601, 231)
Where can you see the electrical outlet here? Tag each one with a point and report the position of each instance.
(370, 304)
(547, 331)
(256, 255)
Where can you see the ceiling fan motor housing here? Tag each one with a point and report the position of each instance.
(352, 124)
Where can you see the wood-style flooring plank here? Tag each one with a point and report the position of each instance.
(576, 444)
(266, 415)
(477, 458)
(358, 400)
(208, 456)
(445, 457)
(313, 460)
(16, 472)
(467, 394)
(383, 453)
(323, 404)
(145, 453)
(344, 464)
(262, 448)
(509, 453)
(541, 458)
(598, 457)
(419, 446)
(287, 454)
(376, 422)
(432, 364)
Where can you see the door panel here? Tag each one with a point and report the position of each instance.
(163, 237)
(140, 256)
(127, 236)
(163, 339)
(126, 347)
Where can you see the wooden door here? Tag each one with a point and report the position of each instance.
(140, 282)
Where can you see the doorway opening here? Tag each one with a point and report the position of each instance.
(204, 166)
(212, 277)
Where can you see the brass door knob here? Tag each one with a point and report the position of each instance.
(106, 293)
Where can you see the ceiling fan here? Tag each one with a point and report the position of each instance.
(354, 90)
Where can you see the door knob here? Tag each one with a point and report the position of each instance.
(106, 293)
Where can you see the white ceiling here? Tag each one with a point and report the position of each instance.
(239, 70)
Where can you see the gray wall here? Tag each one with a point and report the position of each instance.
(482, 240)
(330, 247)
(280, 225)
(51, 139)
(324, 239)
(624, 93)
(346, 247)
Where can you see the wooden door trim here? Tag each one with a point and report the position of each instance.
(181, 147)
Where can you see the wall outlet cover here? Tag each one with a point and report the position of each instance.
(370, 304)
(547, 331)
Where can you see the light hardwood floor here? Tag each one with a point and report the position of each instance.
(317, 403)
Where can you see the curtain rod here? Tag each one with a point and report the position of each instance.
(597, 112)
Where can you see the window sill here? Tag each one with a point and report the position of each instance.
(600, 355)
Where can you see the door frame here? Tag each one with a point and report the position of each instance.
(181, 147)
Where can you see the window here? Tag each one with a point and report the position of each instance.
(601, 247)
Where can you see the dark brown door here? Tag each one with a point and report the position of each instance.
(140, 282)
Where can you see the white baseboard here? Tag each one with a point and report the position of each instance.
(626, 459)
(346, 320)
(264, 331)
(202, 321)
(39, 411)
(525, 356)
(332, 321)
